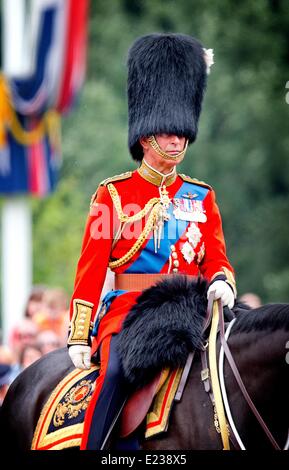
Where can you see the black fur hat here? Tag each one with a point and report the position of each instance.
(166, 83)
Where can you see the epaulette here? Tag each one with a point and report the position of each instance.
(113, 179)
(195, 181)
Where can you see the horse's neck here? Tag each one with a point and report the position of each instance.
(261, 349)
(260, 358)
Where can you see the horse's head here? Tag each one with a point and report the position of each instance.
(258, 343)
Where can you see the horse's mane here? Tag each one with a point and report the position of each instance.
(270, 317)
(166, 324)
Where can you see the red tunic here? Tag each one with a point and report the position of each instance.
(199, 245)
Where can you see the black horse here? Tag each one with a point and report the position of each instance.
(258, 342)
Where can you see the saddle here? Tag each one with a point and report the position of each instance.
(61, 422)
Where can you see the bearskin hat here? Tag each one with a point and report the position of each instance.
(166, 83)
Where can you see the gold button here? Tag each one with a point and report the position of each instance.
(175, 270)
(173, 247)
(176, 263)
(174, 254)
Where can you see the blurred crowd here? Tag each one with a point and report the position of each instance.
(43, 328)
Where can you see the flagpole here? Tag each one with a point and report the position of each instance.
(16, 246)
(16, 260)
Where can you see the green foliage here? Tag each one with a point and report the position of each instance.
(58, 225)
(242, 146)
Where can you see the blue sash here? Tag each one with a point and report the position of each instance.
(151, 262)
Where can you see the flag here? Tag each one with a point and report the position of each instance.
(31, 105)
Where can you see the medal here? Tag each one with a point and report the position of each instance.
(189, 210)
(190, 195)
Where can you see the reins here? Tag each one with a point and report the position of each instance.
(217, 394)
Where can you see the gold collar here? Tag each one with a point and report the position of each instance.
(156, 177)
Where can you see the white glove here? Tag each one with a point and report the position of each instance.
(222, 291)
(80, 356)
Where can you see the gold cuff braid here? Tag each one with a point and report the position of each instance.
(230, 280)
(81, 324)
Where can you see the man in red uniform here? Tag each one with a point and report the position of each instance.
(148, 223)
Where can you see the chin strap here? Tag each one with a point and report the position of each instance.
(167, 156)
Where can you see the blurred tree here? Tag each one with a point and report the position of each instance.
(242, 146)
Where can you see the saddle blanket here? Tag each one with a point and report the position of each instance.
(60, 425)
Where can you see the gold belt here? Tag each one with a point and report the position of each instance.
(139, 282)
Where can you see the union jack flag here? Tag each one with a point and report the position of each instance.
(54, 47)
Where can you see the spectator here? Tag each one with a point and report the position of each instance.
(28, 355)
(23, 334)
(251, 299)
(47, 341)
(54, 316)
(35, 302)
(7, 364)
(5, 380)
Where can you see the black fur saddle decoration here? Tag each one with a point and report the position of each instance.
(162, 328)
